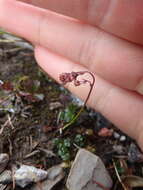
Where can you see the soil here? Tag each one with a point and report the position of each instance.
(31, 124)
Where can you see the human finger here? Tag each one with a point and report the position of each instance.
(123, 108)
(112, 58)
(121, 18)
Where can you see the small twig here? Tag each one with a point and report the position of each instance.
(118, 176)
(78, 147)
(6, 41)
(10, 121)
(48, 153)
(5, 98)
(3, 126)
(32, 154)
(73, 77)
(13, 50)
(13, 179)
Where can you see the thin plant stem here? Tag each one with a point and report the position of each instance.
(73, 120)
(91, 84)
(118, 176)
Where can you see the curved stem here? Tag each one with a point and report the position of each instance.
(85, 102)
(91, 87)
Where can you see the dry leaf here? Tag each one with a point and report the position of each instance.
(133, 181)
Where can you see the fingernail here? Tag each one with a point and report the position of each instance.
(139, 87)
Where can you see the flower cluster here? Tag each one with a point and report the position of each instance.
(72, 77)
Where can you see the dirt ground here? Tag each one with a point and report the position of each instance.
(31, 105)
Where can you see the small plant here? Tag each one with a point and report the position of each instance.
(73, 77)
(79, 140)
(63, 147)
(68, 114)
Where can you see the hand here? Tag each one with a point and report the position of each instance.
(101, 36)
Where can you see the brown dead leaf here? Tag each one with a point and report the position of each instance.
(133, 181)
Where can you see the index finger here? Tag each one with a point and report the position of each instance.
(114, 59)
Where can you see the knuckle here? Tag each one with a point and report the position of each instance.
(88, 50)
(98, 11)
(102, 99)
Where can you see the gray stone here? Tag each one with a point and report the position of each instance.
(88, 173)
(4, 159)
(122, 138)
(29, 174)
(6, 177)
(116, 135)
(134, 154)
(3, 187)
(55, 175)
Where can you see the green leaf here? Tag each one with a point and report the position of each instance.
(68, 114)
(79, 140)
(67, 142)
(56, 141)
(66, 156)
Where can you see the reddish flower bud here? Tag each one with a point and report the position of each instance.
(64, 78)
(77, 83)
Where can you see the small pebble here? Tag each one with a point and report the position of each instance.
(90, 149)
(65, 164)
(39, 96)
(116, 135)
(1, 82)
(4, 159)
(89, 132)
(29, 174)
(55, 175)
(105, 132)
(54, 172)
(122, 138)
(6, 177)
(134, 154)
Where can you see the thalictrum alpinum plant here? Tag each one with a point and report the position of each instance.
(73, 77)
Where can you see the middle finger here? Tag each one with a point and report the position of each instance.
(122, 18)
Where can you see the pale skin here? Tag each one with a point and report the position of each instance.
(104, 37)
